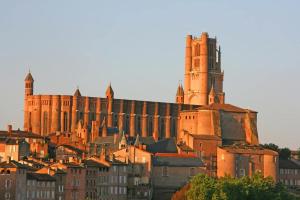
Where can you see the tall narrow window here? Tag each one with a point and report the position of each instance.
(127, 124)
(138, 124)
(29, 122)
(150, 126)
(65, 121)
(162, 128)
(45, 127)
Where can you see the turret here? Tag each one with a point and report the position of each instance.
(212, 95)
(109, 92)
(180, 95)
(28, 84)
(77, 93)
(188, 62)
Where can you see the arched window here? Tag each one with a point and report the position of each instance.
(65, 121)
(45, 122)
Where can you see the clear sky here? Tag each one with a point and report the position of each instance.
(139, 47)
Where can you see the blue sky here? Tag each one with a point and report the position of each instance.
(138, 46)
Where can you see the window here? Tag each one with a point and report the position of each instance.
(150, 126)
(192, 171)
(242, 172)
(45, 125)
(65, 121)
(164, 171)
(124, 168)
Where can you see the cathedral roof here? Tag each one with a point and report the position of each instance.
(224, 107)
(29, 77)
(77, 93)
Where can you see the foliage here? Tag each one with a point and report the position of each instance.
(203, 187)
(298, 153)
(271, 146)
(285, 153)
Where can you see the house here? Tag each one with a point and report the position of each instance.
(171, 171)
(289, 172)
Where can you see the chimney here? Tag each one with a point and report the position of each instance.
(9, 128)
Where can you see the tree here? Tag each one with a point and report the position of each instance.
(203, 187)
(285, 153)
(271, 146)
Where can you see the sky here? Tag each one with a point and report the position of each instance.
(139, 47)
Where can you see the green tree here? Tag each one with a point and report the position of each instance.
(285, 153)
(271, 146)
(203, 187)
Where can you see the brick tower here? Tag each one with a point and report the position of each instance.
(202, 70)
(28, 92)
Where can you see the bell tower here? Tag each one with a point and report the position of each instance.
(202, 70)
(28, 85)
(28, 92)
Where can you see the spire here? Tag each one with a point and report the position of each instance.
(77, 92)
(109, 92)
(137, 141)
(29, 77)
(212, 91)
(212, 95)
(123, 142)
(180, 94)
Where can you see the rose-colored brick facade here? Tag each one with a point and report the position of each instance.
(200, 119)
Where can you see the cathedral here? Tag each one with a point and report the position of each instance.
(199, 120)
(199, 109)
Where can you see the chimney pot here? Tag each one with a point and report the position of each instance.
(9, 128)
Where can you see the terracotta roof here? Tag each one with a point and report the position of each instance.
(176, 160)
(15, 164)
(93, 163)
(77, 150)
(72, 165)
(40, 177)
(248, 149)
(20, 134)
(206, 137)
(288, 164)
(224, 107)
